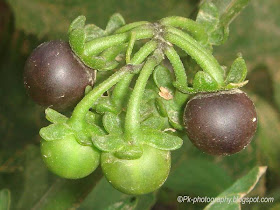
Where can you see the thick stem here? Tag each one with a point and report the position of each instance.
(121, 88)
(98, 45)
(132, 120)
(194, 28)
(206, 60)
(85, 104)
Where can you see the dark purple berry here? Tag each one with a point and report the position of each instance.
(54, 77)
(220, 123)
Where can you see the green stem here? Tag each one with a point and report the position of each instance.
(130, 47)
(98, 45)
(120, 91)
(206, 60)
(132, 120)
(178, 67)
(194, 28)
(130, 26)
(85, 104)
(111, 53)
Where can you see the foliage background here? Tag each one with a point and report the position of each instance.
(26, 23)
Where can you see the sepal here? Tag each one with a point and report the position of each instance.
(55, 132)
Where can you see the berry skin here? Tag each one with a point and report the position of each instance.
(68, 159)
(139, 176)
(54, 77)
(220, 123)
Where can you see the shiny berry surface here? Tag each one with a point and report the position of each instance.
(220, 123)
(54, 77)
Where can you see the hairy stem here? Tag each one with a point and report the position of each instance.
(194, 28)
(98, 45)
(121, 88)
(206, 60)
(132, 120)
(178, 67)
(130, 26)
(85, 104)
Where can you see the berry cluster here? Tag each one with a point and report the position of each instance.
(131, 120)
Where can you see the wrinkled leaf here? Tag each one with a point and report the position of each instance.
(161, 108)
(77, 40)
(5, 199)
(55, 131)
(160, 140)
(163, 77)
(116, 21)
(237, 72)
(155, 122)
(108, 143)
(129, 152)
(112, 123)
(77, 23)
(216, 19)
(54, 116)
(104, 105)
(90, 118)
(92, 32)
(238, 190)
(204, 82)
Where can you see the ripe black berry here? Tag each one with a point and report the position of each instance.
(55, 77)
(220, 123)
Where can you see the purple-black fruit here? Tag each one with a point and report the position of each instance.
(220, 123)
(55, 77)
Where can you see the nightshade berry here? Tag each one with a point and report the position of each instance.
(54, 77)
(138, 176)
(220, 123)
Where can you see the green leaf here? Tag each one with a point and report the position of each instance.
(108, 143)
(160, 140)
(154, 122)
(92, 32)
(238, 190)
(112, 123)
(198, 177)
(175, 114)
(203, 82)
(128, 203)
(116, 21)
(5, 199)
(104, 105)
(129, 152)
(67, 194)
(267, 137)
(54, 116)
(77, 23)
(237, 72)
(216, 17)
(161, 108)
(113, 197)
(163, 77)
(90, 118)
(77, 40)
(55, 132)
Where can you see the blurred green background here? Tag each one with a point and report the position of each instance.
(26, 23)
